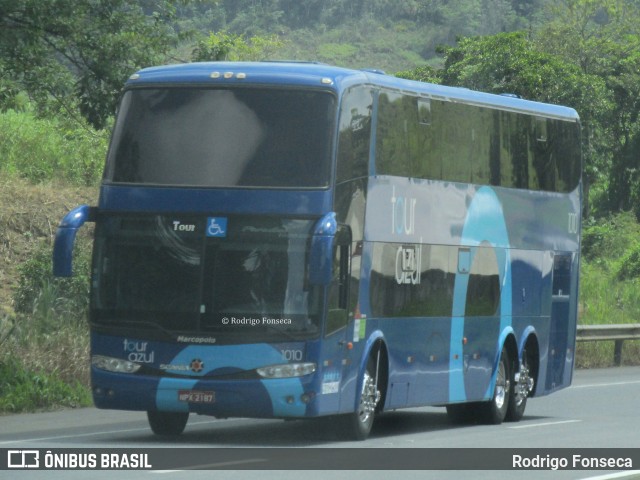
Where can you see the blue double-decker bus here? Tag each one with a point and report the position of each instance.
(294, 240)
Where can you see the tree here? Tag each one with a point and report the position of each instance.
(602, 37)
(624, 129)
(588, 32)
(424, 73)
(78, 53)
(512, 63)
(227, 46)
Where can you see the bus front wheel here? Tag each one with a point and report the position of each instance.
(167, 423)
(357, 425)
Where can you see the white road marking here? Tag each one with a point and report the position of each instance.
(613, 384)
(212, 465)
(631, 474)
(546, 424)
(90, 434)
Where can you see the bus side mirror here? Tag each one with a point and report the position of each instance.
(66, 237)
(321, 253)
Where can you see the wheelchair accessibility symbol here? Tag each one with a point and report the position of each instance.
(217, 227)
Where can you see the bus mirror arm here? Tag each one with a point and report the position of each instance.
(321, 253)
(66, 236)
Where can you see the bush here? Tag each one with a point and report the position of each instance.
(48, 299)
(594, 238)
(22, 390)
(629, 266)
(609, 239)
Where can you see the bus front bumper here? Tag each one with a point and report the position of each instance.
(258, 398)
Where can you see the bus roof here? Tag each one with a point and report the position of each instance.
(332, 78)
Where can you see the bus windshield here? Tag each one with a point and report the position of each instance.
(233, 137)
(165, 272)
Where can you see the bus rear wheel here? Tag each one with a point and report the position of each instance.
(522, 387)
(495, 410)
(167, 423)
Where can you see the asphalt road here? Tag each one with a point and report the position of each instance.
(600, 410)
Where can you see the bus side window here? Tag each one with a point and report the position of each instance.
(338, 295)
(355, 134)
(562, 275)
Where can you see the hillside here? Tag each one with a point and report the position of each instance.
(29, 216)
(384, 34)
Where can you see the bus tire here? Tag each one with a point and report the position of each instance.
(357, 425)
(495, 410)
(520, 390)
(167, 423)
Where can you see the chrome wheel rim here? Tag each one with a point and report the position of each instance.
(368, 399)
(524, 382)
(502, 386)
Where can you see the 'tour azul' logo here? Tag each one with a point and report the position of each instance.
(408, 264)
(138, 352)
(403, 214)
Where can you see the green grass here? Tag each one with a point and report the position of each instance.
(609, 286)
(40, 149)
(44, 343)
(43, 357)
(22, 390)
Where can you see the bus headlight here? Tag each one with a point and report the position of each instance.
(114, 364)
(287, 370)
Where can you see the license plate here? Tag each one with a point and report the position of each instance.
(196, 396)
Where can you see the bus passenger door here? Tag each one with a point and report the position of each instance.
(561, 296)
(334, 344)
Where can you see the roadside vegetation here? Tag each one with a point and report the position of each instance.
(48, 166)
(609, 285)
